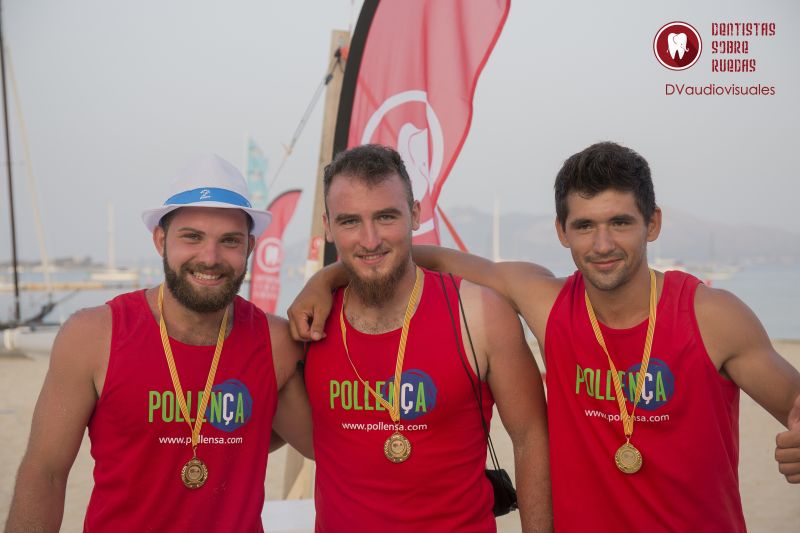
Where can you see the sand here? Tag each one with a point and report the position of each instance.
(770, 504)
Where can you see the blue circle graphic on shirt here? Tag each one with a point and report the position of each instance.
(230, 406)
(659, 385)
(417, 393)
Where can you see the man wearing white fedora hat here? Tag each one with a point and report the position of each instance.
(179, 385)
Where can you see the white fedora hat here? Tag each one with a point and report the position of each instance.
(209, 181)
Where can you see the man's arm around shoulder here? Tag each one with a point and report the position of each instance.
(530, 288)
(516, 385)
(514, 280)
(73, 383)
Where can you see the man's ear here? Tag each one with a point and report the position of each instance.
(327, 225)
(159, 240)
(654, 226)
(251, 244)
(415, 214)
(562, 235)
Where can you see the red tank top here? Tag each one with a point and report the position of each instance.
(686, 424)
(140, 440)
(441, 486)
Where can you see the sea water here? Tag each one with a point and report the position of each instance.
(771, 291)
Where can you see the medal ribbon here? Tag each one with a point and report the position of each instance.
(627, 419)
(173, 371)
(394, 410)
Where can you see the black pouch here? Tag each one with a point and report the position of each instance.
(505, 495)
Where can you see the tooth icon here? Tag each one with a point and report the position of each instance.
(412, 144)
(677, 44)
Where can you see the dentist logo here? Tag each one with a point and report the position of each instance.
(677, 45)
(269, 254)
(417, 393)
(421, 146)
(230, 406)
(658, 388)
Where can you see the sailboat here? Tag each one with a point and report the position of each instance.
(31, 333)
(111, 273)
(38, 318)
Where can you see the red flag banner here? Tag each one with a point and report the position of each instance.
(265, 277)
(410, 79)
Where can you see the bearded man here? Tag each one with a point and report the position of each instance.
(401, 389)
(179, 385)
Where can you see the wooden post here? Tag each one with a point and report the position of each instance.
(299, 472)
(316, 247)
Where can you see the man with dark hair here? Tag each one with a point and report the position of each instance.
(374, 163)
(643, 368)
(398, 394)
(177, 384)
(604, 166)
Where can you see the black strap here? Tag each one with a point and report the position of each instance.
(476, 388)
(301, 363)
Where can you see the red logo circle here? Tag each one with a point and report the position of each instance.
(269, 254)
(677, 45)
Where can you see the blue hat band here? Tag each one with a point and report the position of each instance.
(209, 194)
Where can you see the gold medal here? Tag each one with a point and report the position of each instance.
(194, 473)
(628, 458)
(397, 448)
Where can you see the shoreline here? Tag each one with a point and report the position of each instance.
(770, 503)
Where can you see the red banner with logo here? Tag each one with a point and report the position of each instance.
(265, 277)
(410, 79)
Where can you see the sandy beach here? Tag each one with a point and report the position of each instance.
(770, 504)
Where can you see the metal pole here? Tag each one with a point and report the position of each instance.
(17, 317)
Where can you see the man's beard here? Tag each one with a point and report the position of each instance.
(216, 300)
(374, 292)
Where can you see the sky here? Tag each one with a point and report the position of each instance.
(118, 96)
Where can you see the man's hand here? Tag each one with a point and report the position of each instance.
(787, 452)
(310, 310)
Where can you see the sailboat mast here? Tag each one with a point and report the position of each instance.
(17, 316)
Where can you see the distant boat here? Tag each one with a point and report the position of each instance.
(38, 318)
(662, 264)
(115, 275)
(707, 272)
(718, 272)
(111, 273)
(27, 340)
